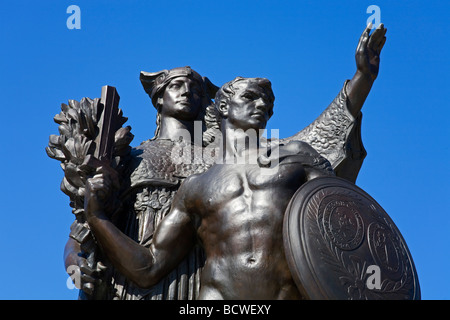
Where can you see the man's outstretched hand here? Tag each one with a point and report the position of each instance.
(369, 49)
(367, 66)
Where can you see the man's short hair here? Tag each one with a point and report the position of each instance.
(228, 90)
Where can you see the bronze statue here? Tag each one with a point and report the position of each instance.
(235, 211)
(148, 181)
(142, 182)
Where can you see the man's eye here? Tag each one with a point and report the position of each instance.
(249, 96)
(174, 86)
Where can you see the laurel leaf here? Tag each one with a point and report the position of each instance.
(121, 119)
(91, 120)
(55, 154)
(78, 129)
(68, 189)
(73, 114)
(54, 141)
(60, 118)
(79, 144)
(82, 122)
(73, 104)
(64, 108)
(72, 176)
(97, 110)
(88, 148)
(122, 140)
(65, 130)
(50, 152)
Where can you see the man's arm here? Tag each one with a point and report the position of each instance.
(336, 133)
(367, 63)
(317, 166)
(173, 238)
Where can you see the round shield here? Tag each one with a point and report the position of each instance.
(341, 244)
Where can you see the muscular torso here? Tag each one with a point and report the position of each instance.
(241, 218)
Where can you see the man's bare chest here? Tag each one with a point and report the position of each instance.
(228, 182)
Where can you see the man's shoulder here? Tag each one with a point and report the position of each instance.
(192, 179)
(298, 146)
(193, 184)
(300, 151)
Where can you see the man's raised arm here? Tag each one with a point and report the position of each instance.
(367, 66)
(173, 238)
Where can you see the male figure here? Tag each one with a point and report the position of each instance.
(234, 210)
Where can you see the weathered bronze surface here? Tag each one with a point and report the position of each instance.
(149, 225)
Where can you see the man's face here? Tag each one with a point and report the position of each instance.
(182, 99)
(249, 107)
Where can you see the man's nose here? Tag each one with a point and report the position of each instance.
(261, 104)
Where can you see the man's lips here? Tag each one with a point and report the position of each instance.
(258, 115)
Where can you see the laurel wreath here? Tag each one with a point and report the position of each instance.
(78, 129)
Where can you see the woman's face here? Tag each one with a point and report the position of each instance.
(182, 99)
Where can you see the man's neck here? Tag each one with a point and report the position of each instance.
(238, 143)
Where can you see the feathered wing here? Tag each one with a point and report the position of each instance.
(336, 135)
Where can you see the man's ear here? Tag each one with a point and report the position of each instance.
(223, 109)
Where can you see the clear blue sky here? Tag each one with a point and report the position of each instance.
(306, 48)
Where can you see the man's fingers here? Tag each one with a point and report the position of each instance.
(85, 269)
(381, 40)
(376, 37)
(88, 288)
(368, 28)
(88, 279)
(381, 45)
(99, 186)
(109, 174)
(364, 37)
(98, 182)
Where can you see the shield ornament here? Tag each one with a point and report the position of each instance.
(334, 233)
